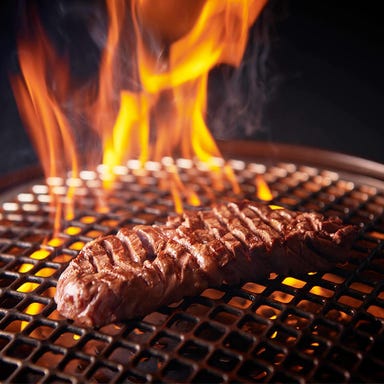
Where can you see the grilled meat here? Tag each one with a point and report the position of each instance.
(130, 274)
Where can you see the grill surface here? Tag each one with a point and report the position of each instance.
(316, 327)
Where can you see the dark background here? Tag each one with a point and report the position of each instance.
(330, 56)
(326, 61)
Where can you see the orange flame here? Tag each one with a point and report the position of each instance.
(262, 190)
(197, 36)
(46, 123)
(148, 107)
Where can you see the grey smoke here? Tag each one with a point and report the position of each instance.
(237, 96)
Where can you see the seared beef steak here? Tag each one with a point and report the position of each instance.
(140, 269)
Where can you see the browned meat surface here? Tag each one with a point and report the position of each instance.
(140, 269)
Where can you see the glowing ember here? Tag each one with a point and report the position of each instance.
(35, 307)
(166, 52)
(40, 254)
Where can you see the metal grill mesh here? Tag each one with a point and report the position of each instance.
(316, 327)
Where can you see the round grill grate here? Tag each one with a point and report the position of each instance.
(315, 327)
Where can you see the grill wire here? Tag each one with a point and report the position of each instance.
(314, 327)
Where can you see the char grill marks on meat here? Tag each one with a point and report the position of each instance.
(139, 269)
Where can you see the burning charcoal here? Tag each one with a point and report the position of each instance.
(140, 269)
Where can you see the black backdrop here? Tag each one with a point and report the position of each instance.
(327, 61)
(331, 59)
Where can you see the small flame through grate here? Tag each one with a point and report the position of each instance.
(316, 327)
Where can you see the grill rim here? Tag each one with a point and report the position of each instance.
(311, 156)
(22, 175)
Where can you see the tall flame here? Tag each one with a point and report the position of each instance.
(40, 108)
(172, 68)
(151, 90)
